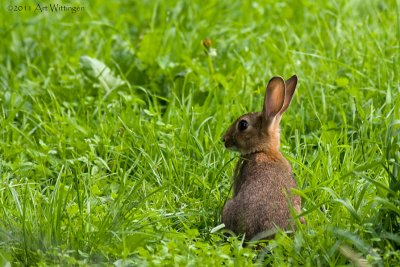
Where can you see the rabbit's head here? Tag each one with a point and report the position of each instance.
(259, 131)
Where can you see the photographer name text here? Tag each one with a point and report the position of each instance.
(41, 8)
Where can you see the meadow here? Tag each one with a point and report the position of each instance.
(111, 120)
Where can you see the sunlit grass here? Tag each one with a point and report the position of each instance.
(110, 126)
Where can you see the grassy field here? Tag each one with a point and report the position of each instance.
(111, 118)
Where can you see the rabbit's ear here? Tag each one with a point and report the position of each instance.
(289, 91)
(274, 97)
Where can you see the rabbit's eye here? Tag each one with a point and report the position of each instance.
(242, 125)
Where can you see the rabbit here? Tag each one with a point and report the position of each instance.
(263, 177)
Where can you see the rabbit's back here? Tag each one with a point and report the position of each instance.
(261, 195)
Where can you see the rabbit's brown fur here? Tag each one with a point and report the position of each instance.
(263, 177)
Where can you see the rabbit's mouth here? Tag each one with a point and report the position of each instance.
(233, 148)
(230, 144)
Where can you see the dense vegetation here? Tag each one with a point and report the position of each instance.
(111, 119)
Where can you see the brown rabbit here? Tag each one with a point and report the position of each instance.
(263, 177)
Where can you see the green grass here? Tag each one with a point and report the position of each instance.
(111, 118)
